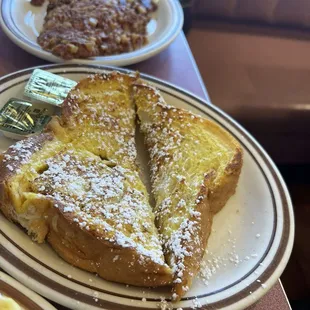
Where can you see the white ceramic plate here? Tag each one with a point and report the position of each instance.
(27, 299)
(249, 247)
(22, 22)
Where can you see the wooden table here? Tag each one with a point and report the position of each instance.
(176, 65)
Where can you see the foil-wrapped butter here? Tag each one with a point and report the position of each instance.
(48, 87)
(20, 119)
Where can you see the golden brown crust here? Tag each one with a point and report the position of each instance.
(111, 261)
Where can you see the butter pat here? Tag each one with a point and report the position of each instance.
(20, 119)
(48, 87)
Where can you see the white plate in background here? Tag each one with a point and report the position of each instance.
(22, 23)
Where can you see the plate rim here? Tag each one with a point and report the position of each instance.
(23, 292)
(124, 59)
(276, 270)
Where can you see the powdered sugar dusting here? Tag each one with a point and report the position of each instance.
(19, 153)
(101, 199)
(175, 182)
(213, 263)
(104, 114)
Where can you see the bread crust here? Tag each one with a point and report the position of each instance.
(86, 250)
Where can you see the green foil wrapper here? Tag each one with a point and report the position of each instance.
(48, 87)
(20, 118)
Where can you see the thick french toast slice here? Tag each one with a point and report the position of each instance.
(78, 186)
(195, 166)
(101, 220)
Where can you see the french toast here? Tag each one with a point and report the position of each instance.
(194, 166)
(77, 186)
